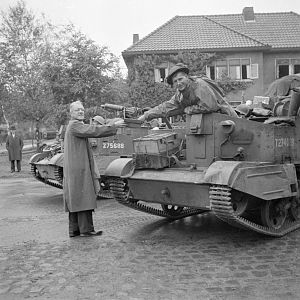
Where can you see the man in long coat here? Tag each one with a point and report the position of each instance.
(14, 146)
(194, 95)
(78, 183)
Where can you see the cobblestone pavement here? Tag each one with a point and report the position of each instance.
(138, 257)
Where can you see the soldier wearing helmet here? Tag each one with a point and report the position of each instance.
(193, 95)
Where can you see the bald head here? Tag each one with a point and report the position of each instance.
(77, 111)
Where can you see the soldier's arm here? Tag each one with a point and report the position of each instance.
(166, 109)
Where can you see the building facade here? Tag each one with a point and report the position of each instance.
(255, 48)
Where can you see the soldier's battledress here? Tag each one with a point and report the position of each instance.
(202, 95)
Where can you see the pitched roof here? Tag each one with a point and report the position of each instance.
(280, 30)
(222, 32)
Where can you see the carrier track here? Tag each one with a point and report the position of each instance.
(121, 193)
(58, 182)
(222, 207)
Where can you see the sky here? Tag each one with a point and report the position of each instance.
(112, 23)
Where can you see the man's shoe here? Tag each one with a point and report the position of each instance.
(12, 171)
(73, 234)
(91, 233)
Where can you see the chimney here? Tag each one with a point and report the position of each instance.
(136, 38)
(248, 14)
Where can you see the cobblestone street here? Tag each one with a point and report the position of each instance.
(138, 257)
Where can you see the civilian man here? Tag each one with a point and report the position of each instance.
(79, 186)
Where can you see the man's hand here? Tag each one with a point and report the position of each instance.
(119, 123)
(142, 118)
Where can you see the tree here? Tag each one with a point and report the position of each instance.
(24, 51)
(81, 70)
(43, 68)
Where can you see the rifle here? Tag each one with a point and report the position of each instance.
(127, 112)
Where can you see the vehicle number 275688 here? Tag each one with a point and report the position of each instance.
(107, 145)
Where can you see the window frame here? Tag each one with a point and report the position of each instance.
(158, 78)
(290, 66)
(251, 69)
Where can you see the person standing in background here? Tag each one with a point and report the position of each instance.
(14, 146)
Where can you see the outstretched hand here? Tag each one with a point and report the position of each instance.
(142, 118)
(120, 123)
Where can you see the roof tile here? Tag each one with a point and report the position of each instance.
(274, 30)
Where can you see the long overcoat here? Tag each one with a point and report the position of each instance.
(78, 184)
(14, 146)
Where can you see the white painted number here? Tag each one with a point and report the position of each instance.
(107, 145)
(285, 142)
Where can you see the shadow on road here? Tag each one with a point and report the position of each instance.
(198, 227)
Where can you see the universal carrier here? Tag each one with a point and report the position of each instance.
(246, 172)
(47, 166)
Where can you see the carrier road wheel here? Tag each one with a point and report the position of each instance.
(295, 209)
(172, 210)
(239, 202)
(274, 213)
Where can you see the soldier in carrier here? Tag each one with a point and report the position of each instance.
(193, 95)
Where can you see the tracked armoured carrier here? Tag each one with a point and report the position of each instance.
(244, 171)
(47, 166)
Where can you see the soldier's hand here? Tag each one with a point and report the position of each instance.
(142, 118)
(120, 123)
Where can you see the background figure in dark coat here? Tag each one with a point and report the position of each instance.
(14, 146)
(79, 171)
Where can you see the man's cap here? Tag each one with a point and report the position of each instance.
(12, 127)
(175, 69)
(99, 120)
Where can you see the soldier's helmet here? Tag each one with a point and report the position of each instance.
(99, 120)
(243, 110)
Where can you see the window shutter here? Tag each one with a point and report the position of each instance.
(254, 71)
(208, 71)
(156, 75)
(167, 72)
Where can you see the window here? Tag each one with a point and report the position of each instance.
(210, 72)
(287, 66)
(296, 65)
(160, 74)
(236, 69)
(221, 69)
